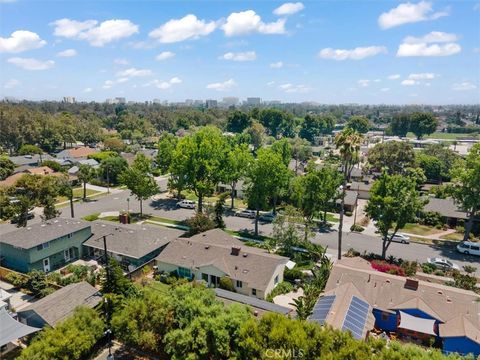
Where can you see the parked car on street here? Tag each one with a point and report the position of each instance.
(469, 248)
(401, 238)
(186, 204)
(246, 214)
(269, 217)
(443, 263)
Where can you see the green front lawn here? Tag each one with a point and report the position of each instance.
(454, 237)
(418, 229)
(78, 193)
(444, 136)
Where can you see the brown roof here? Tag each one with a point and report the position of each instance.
(384, 291)
(252, 265)
(83, 151)
(460, 326)
(11, 180)
(42, 170)
(343, 297)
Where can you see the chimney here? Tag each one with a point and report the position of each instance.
(235, 250)
(411, 284)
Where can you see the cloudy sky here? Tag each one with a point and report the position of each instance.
(326, 51)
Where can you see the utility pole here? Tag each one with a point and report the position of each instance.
(108, 332)
(108, 181)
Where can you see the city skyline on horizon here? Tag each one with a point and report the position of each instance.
(403, 52)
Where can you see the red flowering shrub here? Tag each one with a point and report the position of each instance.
(385, 267)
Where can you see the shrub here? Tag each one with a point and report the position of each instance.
(431, 218)
(226, 284)
(356, 228)
(385, 267)
(282, 288)
(409, 267)
(348, 213)
(469, 269)
(465, 282)
(428, 268)
(16, 279)
(352, 253)
(92, 217)
(199, 223)
(293, 274)
(439, 273)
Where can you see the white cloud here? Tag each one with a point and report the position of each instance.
(87, 90)
(292, 88)
(409, 82)
(239, 56)
(422, 76)
(164, 85)
(67, 53)
(108, 84)
(21, 40)
(188, 27)
(247, 22)
(122, 80)
(435, 43)
(276, 65)
(353, 54)
(121, 61)
(222, 86)
(289, 9)
(164, 55)
(384, 89)
(133, 72)
(408, 50)
(432, 37)
(10, 84)
(393, 77)
(464, 86)
(97, 34)
(31, 64)
(7, 1)
(363, 83)
(409, 13)
(270, 83)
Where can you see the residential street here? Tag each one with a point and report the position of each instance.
(167, 208)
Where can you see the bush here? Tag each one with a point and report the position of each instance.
(16, 279)
(385, 267)
(348, 213)
(356, 228)
(226, 284)
(199, 223)
(293, 274)
(465, 282)
(431, 218)
(282, 288)
(439, 273)
(409, 267)
(92, 217)
(352, 253)
(428, 268)
(469, 269)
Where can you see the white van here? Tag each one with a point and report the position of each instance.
(186, 204)
(468, 247)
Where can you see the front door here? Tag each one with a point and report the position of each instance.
(46, 265)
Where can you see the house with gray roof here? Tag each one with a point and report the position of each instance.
(45, 246)
(59, 305)
(447, 209)
(31, 160)
(131, 245)
(214, 254)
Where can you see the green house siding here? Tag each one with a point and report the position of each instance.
(32, 259)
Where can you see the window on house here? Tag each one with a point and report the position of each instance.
(385, 316)
(205, 277)
(184, 272)
(45, 245)
(239, 284)
(69, 235)
(276, 280)
(254, 292)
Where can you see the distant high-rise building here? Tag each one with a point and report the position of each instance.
(69, 99)
(230, 101)
(120, 100)
(211, 104)
(253, 101)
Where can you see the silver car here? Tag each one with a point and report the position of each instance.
(246, 214)
(443, 263)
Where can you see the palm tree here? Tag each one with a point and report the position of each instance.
(85, 174)
(348, 144)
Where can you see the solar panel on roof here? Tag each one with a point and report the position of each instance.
(356, 317)
(322, 308)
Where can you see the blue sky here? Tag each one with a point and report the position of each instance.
(392, 52)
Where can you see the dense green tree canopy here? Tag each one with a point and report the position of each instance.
(396, 156)
(166, 147)
(6, 167)
(400, 124)
(237, 121)
(314, 126)
(422, 123)
(358, 123)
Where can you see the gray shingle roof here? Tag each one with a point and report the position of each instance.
(133, 240)
(446, 207)
(36, 234)
(61, 304)
(12, 329)
(29, 159)
(252, 265)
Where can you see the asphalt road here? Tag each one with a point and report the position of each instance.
(167, 208)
